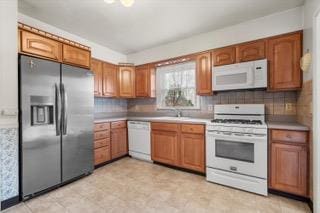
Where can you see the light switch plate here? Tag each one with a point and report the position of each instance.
(210, 107)
(288, 107)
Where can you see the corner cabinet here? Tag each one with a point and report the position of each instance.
(288, 166)
(284, 53)
(145, 81)
(203, 74)
(96, 68)
(126, 76)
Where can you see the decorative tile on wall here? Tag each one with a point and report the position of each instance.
(9, 163)
(277, 103)
(103, 105)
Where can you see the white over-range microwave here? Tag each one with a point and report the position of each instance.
(246, 75)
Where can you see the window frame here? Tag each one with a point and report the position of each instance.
(159, 101)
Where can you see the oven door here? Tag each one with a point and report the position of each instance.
(237, 153)
(233, 77)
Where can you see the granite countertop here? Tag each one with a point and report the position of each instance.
(156, 119)
(287, 125)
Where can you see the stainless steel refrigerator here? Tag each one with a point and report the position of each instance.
(56, 124)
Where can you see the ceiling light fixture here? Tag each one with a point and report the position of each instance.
(126, 3)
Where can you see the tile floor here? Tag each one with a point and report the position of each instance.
(130, 185)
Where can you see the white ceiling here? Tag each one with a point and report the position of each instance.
(147, 23)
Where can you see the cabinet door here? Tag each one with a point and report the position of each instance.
(284, 55)
(289, 168)
(109, 80)
(76, 56)
(223, 56)
(204, 78)
(119, 145)
(164, 146)
(192, 152)
(96, 67)
(251, 51)
(126, 82)
(142, 81)
(37, 45)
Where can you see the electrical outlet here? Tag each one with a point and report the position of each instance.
(288, 107)
(210, 107)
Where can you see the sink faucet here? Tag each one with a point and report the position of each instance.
(178, 112)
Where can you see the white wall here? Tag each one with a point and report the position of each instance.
(8, 62)
(278, 23)
(97, 51)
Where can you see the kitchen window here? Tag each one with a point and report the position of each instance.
(176, 86)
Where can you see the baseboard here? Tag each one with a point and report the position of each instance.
(294, 197)
(110, 161)
(179, 168)
(10, 202)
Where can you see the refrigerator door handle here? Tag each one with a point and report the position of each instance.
(65, 109)
(58, 109)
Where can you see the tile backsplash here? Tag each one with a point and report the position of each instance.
(279, 105)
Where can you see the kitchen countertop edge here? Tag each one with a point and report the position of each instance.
(153, 119)
(287, 126)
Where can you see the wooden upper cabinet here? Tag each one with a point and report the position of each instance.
(126, 76)
(109, 80)
(203, 74)
(145, 80)
(38, 45)
(96, 67)
(192, 152)
(284, 53)
(251, 51)
(224, 56)
(76, 56)
(289, 168)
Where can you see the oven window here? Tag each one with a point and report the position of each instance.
(235, 150)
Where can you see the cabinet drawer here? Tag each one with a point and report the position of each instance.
(118, 124)
(165, 126)
(101, 143)
(192, 128)
(101, 126)
(289, 136)
(101, 155)
(101, 135)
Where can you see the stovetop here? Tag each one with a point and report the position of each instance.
(237, 121)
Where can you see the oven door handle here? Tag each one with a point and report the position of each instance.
(232, 137)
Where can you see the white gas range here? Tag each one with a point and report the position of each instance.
(236, 147)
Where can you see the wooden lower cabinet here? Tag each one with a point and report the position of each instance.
(164, 147)
(110, 141)
(119, 141)
(192, 152)
(181, 145)
(288, 164)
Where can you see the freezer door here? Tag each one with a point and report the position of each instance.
(77, 127)
(39, 138)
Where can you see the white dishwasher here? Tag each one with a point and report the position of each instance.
(139, 140)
